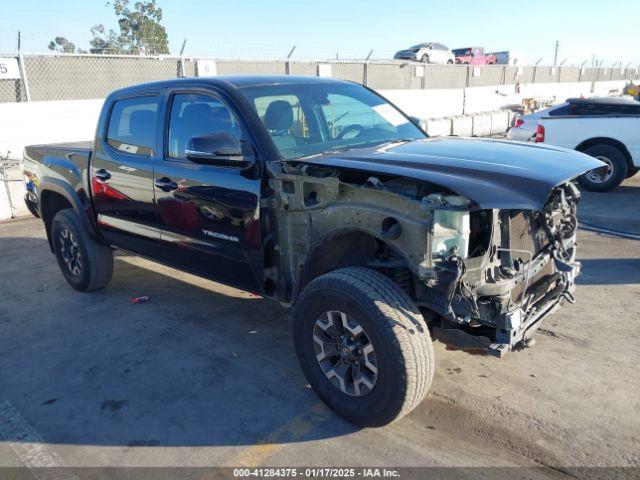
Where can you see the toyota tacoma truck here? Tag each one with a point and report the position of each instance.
(325, 197)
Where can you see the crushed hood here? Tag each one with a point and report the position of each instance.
(492, 173)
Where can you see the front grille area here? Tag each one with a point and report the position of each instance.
(526, 233)
(538, 279)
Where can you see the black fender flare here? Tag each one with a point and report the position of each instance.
(64, 189)
(326, 238)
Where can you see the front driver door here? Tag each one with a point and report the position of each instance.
(209, 215)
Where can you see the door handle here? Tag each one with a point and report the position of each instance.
(166, 184)
(102, 174)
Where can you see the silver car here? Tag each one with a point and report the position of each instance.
(430, 52)
(525, 126)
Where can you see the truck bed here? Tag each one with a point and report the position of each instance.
(57, 164)
(38, 152)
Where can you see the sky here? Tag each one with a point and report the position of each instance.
(610, 30)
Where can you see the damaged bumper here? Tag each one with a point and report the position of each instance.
(515, 328)
(501, 330)
(497, 301)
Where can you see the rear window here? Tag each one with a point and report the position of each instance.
(559, 111)
(604, 109)
(132, 125)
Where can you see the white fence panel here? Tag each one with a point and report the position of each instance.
(29, 123)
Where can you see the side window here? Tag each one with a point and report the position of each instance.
(195, 114)
(132, 125)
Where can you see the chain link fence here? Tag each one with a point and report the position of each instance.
(74, 76)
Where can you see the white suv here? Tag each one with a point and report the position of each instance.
(431, 52)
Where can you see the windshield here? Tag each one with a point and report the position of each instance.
(310, 119)
(461, 51)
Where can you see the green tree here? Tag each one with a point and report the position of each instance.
(62, 45)
(140, 29)
(103, 42)
(140, 32)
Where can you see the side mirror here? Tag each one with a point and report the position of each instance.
(221, 149)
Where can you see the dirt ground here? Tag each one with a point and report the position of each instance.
(205, 375)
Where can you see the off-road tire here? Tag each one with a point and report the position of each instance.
(396, 330)
(618, 161)
(95, 260)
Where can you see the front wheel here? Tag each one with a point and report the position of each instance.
(363, 346)
(609, 176)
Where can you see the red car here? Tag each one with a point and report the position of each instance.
(473, 56)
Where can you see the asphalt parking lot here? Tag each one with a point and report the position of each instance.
(206, 375)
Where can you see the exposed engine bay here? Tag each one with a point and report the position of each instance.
(483, 277)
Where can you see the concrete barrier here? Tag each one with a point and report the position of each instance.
(486, 99)
(607, 88)
(499, 121)
(5, 206)
(481, 124)
(12, 193)
(427, 103)
(438, 127)
(462, 126)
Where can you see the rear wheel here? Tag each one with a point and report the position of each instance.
(609, 176)
(425, 58)
(363, 346)
(86, 264)
(449, 62)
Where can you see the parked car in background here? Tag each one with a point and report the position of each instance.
(473, 56)
(525, 126)
(507, 58)
(430, 52)
(605, 128)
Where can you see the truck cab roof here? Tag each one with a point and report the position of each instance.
(603, 106)
(602, 101)
(231, 81)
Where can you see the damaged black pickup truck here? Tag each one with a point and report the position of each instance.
(324, 196)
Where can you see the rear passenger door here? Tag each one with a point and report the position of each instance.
(209, 215)
(122, 172)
